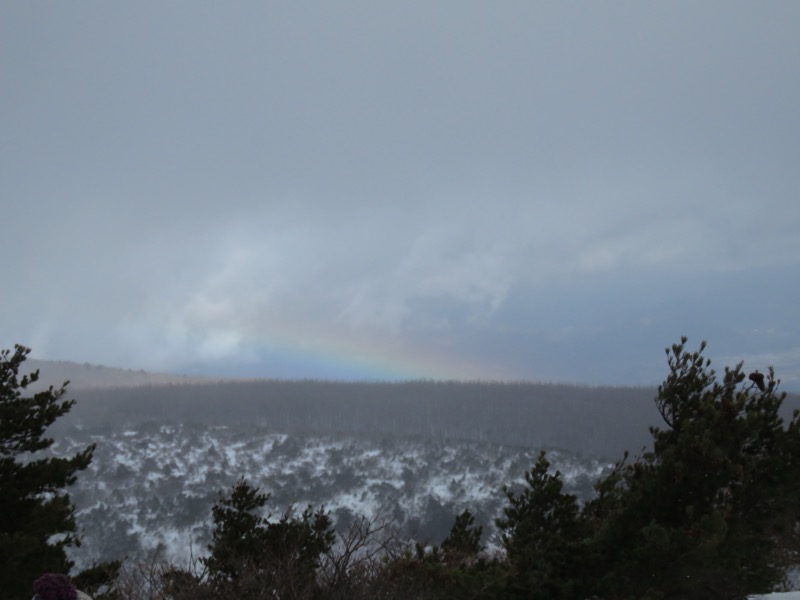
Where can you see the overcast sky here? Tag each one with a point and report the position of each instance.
(366, 190)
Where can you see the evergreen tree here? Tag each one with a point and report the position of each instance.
(251, 556)
(239, 534)
(712, 510)
(463, 544)
(37, 518)
(542, 533)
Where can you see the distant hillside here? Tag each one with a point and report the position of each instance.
(83, 376)
(595, 421)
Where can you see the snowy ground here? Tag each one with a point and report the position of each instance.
(154, 486)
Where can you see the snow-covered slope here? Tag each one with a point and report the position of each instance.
(155, 485)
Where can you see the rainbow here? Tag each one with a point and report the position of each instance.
(301, 353)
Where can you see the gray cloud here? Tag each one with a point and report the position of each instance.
(184, 184)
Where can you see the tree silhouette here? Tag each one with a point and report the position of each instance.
(37, 518)
(709, 512)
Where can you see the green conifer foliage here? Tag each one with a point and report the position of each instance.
(711, 511)
(37, 520)
(239, 533)
(251, 556)
(543, 532)
(463, 544)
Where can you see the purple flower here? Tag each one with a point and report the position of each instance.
(54, 586)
